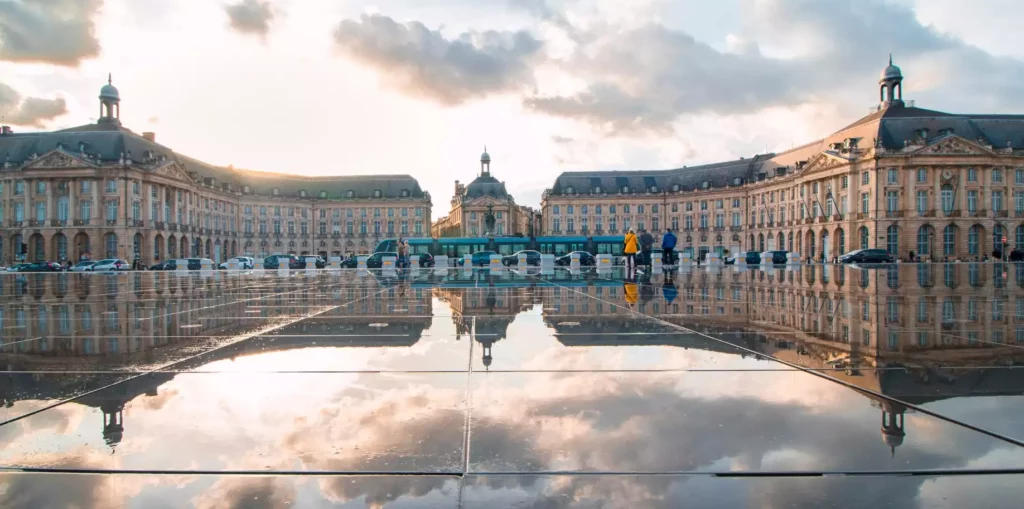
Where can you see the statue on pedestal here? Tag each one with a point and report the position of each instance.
(489, 220)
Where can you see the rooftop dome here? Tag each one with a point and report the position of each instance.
(891, 71)
(486, 185)
(109, 91)
(485, 157)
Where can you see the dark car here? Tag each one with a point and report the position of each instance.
(426, 259)
(42, 267)
(586, 259)
(779, 257)
(193, 264)
(300, 263)
(273, 262)
(532, 258)
(866, 256)
(480, 259)
(376, 260)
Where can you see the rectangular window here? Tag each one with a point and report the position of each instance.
(891, 201)
(997, 201)
(997, 175)
(864, 202)
(865, 178)
(41, 211)
(40, 187)
(111, 186)
(111, 210)
(972, 175)
(922, 175)
(86, 186)
(1019, 177)
(1018, 202)
(972, 200)
(893, 176)
(843, 183)
(922, 201)
(136, 210)
(736, 219)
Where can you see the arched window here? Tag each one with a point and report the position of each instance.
(810, 245)
(924, 240)
(110, 241)
(302, 193)
(760, 242)
(997, 237)
(405, 193)
(323, 194)
(840, 242)
(947, 198)
(377, 193)
(865, 241)
(949, 240)
(274, 191)
(972, 240)
(892, 240)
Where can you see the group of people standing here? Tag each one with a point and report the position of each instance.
(645, 245)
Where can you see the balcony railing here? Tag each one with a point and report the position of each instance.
(953, 213)
(81, 222)
(1018, 213)
(735, 228)
(926, 213)
(247, 234)
(216, 232)
(977, 213)
(58, 222)
(111, 222)
(159, 225)
(893, 213)
(138, 223)
(335, 234)
(35, 223)
(1002, 213)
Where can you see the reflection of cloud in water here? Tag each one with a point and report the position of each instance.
(248, 492)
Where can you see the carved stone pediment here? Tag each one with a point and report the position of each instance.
(823, 162)
(173, 170)
(57, 159)
(954, 145)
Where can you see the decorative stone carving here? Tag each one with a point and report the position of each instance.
(56, 159)
(952, 146)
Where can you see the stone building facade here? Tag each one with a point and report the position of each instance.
(472, 203)
(103, 191)
(903, 178)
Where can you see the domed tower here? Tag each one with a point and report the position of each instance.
(890, 92)
(110, 103)
(485, 163)
(892, 425)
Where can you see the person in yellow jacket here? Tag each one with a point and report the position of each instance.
(630, 248)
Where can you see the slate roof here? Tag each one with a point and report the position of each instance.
(893, 126)
(485, 185)
(106, 143)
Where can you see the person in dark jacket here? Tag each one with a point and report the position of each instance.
(646, 245)
(668, 244)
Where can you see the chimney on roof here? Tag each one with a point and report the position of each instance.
(5, 129)
(149, 136)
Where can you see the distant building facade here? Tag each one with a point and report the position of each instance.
(472, 204)
(102, 191)
(906, 179)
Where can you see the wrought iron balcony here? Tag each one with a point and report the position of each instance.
(81, 222)
(159, 225)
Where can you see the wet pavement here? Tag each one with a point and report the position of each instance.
(823, 386)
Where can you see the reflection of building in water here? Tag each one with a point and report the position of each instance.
(485, 313)
(82, 331)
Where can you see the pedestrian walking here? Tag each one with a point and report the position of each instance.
(403, 250)
(668, 245)
(646, 245)
(630, 250)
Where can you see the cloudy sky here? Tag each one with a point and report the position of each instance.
(419, 87)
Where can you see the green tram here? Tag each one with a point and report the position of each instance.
(457, 247)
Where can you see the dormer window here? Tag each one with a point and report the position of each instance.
(274, 192)
(597, 189)
(323, 194)
(675, 188)
(350, 194)
(302, 193)
(625, 189)
(569, 190)
(654, 189)
(246, 189)
(705, 185)
(405, 193)
(737, 181)
(377, 193)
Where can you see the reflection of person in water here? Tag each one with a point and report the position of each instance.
(631, 292)
(668, 290)
(646, 293)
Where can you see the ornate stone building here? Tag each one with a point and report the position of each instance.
(903, 178)
(472, 204)
(102, 191)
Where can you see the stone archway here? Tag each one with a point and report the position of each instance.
(81, 248)
(59, 247)
(36, 248)
(184, 250)
(172, 247)
(158, 248)
(137, 242)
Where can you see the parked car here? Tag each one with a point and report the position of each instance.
(779, 257)
(244, 262)
(193, 264)
(426, 259)
(42, 267)
(532, 258)
(273, 262)
(164, 265)
(83, 266)
(866, 256)
(110, 264)
(352, 262)
(586, 259)
(478, 259)
(17, 267)
(300, 262)
(376, 260)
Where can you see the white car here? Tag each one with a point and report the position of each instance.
(109, 265)
(244, 262)
(83, 266)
